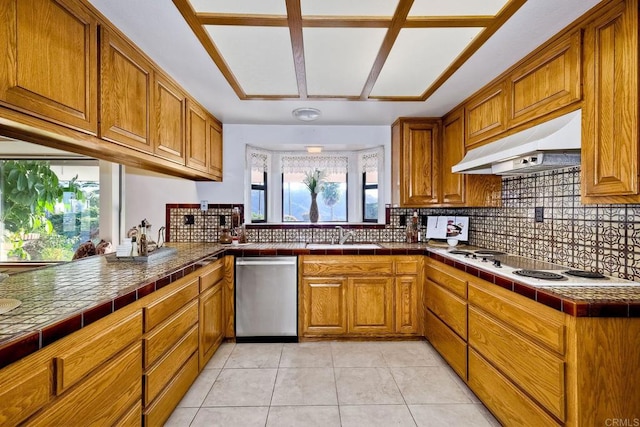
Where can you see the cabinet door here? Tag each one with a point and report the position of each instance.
(419, 159)
(324, 309)
(610, 113)
(211, 321)
(453, 184)
(486, 114)
(50, 61)
(548, 82)
(101, 398)
(215, 145)
(126, 93)
(169, 128)
(370, 302)
(197, 138)
(406, 305)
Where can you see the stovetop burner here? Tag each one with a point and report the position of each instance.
(586, 274)
(489, 252)
(458, 252)
(537, 274)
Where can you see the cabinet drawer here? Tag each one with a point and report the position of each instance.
(347, 265)
(162, 338)
(539, 322)
(407, 266)
(23, 392)
(533, 369)
(448, 307)
(214, 274)
(162, 372)
(102, 398)
(447, 277)
(132, 418)
(159, 310)
(79, 361)
(164, 405)
(506, 402)
(448, 344)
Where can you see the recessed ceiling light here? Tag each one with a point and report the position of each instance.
(306, 114)
(314, 149)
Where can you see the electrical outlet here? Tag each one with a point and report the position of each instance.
(204, 205)
(189, 220)
(403, 220)
(539, 214)
(223, 220)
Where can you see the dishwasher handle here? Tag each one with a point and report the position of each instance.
(267, 261)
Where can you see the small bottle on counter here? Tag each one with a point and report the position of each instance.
(144, 247)
(134, 246)
(412, 229)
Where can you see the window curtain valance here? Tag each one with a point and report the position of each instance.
(370, 159)
(299, 163)
(258, 159)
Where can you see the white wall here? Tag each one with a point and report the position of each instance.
(148, 192)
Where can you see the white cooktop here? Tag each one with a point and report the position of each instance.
(507, 271)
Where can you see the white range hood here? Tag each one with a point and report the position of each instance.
(550, 145)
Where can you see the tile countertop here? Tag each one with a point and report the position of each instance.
(61, 299)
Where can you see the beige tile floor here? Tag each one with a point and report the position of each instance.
(328, 384)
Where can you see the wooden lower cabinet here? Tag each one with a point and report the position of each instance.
(407, 300)
(359, 296)
(370, 302)
(132, 417)
(131, 366)
(532, 365)
(324, 306)
(507, 402)
(116, 382)
(211, 323)
(450, 346)
(161, 409)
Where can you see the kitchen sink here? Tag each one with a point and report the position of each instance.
(323, 246)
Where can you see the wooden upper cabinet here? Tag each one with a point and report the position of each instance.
(547, 82)
(453, 184)
(169, 124)
(215, 145)
(610, 163)
(49, 65)
(486, 114)
(416, 162)
(126, 78)
(197, 138)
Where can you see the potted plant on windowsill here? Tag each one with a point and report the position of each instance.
(314, 181)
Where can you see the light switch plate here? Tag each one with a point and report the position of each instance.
(204, 205)
(539, 214)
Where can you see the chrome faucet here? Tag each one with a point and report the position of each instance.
(343, 236)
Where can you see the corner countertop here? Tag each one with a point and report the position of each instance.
(61, 299)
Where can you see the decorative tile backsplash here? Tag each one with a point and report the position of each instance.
(604, 238)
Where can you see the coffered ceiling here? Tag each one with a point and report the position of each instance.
(360, 62)
(398, 50)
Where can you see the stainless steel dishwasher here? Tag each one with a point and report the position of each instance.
(266, 299)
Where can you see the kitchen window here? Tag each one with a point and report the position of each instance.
(349, 192)
(47, 207)
(258, 168)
